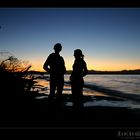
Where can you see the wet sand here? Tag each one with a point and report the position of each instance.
(98, 111)
(41, 113)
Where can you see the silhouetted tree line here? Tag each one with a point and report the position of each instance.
(137, 71)
(15, 81)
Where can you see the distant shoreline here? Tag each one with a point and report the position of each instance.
(123, 72)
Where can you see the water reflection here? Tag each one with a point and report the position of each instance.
(98, 98)
(42, 86)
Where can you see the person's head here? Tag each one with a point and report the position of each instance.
(57, 47)
(78, 53)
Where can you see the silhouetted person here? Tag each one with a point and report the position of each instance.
(55, 66)
(76, 78)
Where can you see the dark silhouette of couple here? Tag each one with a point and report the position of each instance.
(55, 66)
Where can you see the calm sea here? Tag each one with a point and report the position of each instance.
(129, 84)
(124, 83)
(119, 85)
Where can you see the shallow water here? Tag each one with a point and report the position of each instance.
(125, 84)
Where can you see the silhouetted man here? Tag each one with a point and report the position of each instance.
(55, 66)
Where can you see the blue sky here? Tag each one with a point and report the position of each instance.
(108, 37)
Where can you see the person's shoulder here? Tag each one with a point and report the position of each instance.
(61, 57)
(51, 55)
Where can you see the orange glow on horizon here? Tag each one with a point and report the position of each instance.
(99, 65)
(96, 67)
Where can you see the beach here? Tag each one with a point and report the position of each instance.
(99, 110)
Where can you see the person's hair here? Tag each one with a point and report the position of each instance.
(57, 46)
(78, 53)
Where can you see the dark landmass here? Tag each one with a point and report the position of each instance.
(137, 71)
(115, 72)
(41, 113)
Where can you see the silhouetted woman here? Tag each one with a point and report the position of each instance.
(76, 78)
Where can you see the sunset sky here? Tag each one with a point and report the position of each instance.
(108, 37)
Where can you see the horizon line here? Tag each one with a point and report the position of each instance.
(99, 70)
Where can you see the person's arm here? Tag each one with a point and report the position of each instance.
(46, 65)
(64, 67)
(85, 70)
